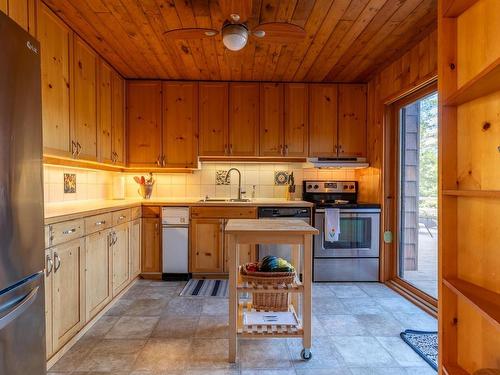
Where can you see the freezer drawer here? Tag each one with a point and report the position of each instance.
(346, 269)
(22, 328)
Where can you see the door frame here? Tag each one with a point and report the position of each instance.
(391, 183)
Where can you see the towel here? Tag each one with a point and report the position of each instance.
(332, 224)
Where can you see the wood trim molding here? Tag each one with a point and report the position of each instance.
(257, 159)
(414, 295)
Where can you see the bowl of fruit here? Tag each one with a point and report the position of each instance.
(270, 272)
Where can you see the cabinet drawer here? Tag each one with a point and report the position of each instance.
(122, 216)
(97, 223)
(65, 231)
(224, 212)
(136, 213)
(150, 211)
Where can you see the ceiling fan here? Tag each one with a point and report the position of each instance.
(235, 31)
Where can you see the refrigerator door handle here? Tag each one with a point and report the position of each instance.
(19, 308)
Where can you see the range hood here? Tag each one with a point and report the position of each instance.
(337, 163)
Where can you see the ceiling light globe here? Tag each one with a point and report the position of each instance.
(235, 37)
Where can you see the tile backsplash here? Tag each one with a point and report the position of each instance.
(89, 184)
(92, 185)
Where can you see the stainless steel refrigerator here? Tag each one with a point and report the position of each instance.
(22, 311)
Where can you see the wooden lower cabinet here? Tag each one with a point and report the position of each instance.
(135, 248)
(98, 271)
(120, 250)
(248, 253)
(207, 243)
(151, 245)
(68, 291)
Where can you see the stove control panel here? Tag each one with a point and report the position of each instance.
(330, 186)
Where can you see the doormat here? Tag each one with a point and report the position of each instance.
(425, 343)
(206, 288)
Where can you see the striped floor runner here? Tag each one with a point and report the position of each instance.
(206, 288)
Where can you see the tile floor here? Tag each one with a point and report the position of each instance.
(153, 331)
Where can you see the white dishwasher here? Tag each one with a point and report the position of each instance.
(175, 242)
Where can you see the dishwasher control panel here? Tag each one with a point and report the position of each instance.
(175, 215)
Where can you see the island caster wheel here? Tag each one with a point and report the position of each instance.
(306, 354)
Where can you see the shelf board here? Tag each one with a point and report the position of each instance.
(457, 7)
(483, 300)
(486, 82)
(473, 193)
(454, 370)
(267, 330)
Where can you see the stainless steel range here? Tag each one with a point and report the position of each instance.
(354, 256)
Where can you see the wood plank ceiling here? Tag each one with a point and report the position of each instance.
(347, 40)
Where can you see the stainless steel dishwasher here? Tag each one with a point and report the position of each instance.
(294, 213)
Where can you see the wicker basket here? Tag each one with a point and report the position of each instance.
(269, 301)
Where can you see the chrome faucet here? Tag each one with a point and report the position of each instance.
(239, 180)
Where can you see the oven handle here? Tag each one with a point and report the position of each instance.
(366, 212)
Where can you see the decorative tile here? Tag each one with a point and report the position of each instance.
(220, 177)
(280, 177)
(69, 183)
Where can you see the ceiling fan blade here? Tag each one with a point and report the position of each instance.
(243, 8)
(192, 33)
(279, 32)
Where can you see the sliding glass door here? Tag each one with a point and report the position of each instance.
(418, 192)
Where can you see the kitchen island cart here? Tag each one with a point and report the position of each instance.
(299, 235)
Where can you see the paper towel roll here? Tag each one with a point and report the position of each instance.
(119, 187)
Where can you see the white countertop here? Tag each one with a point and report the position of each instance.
(59, 210)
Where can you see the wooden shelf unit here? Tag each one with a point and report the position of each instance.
(484, 300)
(469, 190)
(455, 8)
(484, 83)
(473, 193)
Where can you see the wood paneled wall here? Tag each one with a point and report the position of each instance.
(409, 72)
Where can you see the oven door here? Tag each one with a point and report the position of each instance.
(359, 235)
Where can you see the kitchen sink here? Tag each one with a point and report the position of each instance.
(233, 200)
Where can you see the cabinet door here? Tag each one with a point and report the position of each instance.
(271, 119)
(68, 290)
(49, 269)
(352, 120)
(18, 11)
(55, 48)
(144, 123)
(151, 245)
(118, 117)
(135, 248)
(213, 118)
(323, 120)
(206, 245)
(180, 124)
(97, 272)
(248, 253)
(121, 261)
(85, 90)
(105, 115)
(296, 126)
(244, 119)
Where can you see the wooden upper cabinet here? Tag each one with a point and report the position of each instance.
(352, 120)
(271, 119)
(85, 98)
(118, 118)
(144, 123)
(56, 50)
(180, 124)
(213, 116)
(244, 119)
(105, 115)
(323, 120)
(296, 121)
(21, 11)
